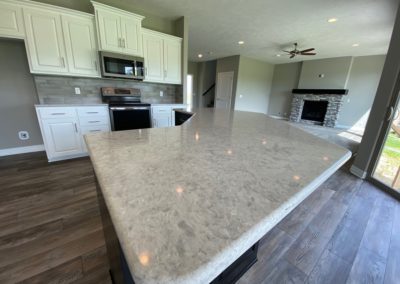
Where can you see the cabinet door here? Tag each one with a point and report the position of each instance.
(172, 61)
(44, 41)
(11, 21)
(81, 47)
(109, 28)
(153, 57)
(162, 120)
(62, 137)
(131, 33)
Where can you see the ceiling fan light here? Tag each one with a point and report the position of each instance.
(332, 20)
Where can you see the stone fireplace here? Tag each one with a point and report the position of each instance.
(317, 106)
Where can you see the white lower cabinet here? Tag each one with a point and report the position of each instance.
(63, 129)
(164, 115)
(62, 137)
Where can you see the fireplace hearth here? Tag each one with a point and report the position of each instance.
(319, 107)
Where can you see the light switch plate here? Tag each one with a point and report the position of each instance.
(161, 93)
(77, 91)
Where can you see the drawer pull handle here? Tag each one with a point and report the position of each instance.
(94, 121)
(91, 112)
(95, 130)
(76, 128)
(58, 113)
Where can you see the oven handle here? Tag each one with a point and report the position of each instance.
(129, 108)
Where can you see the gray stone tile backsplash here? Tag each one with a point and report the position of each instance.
(61, 90)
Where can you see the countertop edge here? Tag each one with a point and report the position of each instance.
(206, 274)
(223, 260)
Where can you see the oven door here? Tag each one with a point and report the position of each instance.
(132, 117)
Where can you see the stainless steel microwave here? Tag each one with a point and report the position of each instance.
(122, 66)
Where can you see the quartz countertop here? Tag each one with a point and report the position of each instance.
(187, 201)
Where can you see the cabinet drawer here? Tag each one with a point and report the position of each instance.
(94, 120)
(57, 112)
(161, 109)
(94, 129)
(93, 111)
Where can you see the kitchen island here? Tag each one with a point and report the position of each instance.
(186, 202)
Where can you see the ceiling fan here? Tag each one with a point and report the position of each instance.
(295, 51)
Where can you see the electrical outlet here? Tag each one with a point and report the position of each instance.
(77, 91)
(161, 93)
(23, 135)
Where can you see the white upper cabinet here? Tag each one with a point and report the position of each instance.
(162, 57)
(109, 31)
(153, 54)
(11, 20)
(80, 45)
(131, 30)
(44, 41)
(173, 61)
(118, 30)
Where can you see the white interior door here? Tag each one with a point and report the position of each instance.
(223, 97)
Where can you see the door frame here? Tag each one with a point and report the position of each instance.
(216, 88)
(382, 136)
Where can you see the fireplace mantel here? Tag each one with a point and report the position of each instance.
(341, 92)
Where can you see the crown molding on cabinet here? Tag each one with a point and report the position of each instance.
(116, 10)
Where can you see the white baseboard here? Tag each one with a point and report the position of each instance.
(21, 150)
(358, 172)
(349, 127)
(278, 117)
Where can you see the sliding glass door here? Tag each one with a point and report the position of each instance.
(386, 171)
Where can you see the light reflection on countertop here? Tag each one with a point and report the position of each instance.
(236, 174)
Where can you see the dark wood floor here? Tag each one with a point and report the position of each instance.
(50, 230)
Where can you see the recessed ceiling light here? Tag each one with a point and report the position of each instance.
(200, 55)
(332, 20)
(241, 42)
(355, 44)
(278, 55)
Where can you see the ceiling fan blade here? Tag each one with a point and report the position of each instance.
(290, 52)
(307, 50)
(293, 55)
(308, 54)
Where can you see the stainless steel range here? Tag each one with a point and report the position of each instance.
(126, 109)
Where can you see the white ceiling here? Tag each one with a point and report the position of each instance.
(267, 26)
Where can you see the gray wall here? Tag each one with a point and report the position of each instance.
(335, 70)
(17, 97)
(227, 64)
(360, 75)
(60, 90)
(388, 90)
(363, 83)
(253, 85)
(286, 78)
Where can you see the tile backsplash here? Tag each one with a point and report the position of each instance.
(61, 90)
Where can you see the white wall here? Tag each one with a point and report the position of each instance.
(253, 85)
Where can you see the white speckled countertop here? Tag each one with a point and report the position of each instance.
(187, 201)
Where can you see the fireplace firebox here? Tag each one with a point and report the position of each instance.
(314, 111)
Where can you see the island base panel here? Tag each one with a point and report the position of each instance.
(119, 270)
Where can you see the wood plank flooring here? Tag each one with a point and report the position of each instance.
(50, 225)
(347, 231)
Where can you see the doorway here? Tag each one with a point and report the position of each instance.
(223, 97)
(386, 170)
